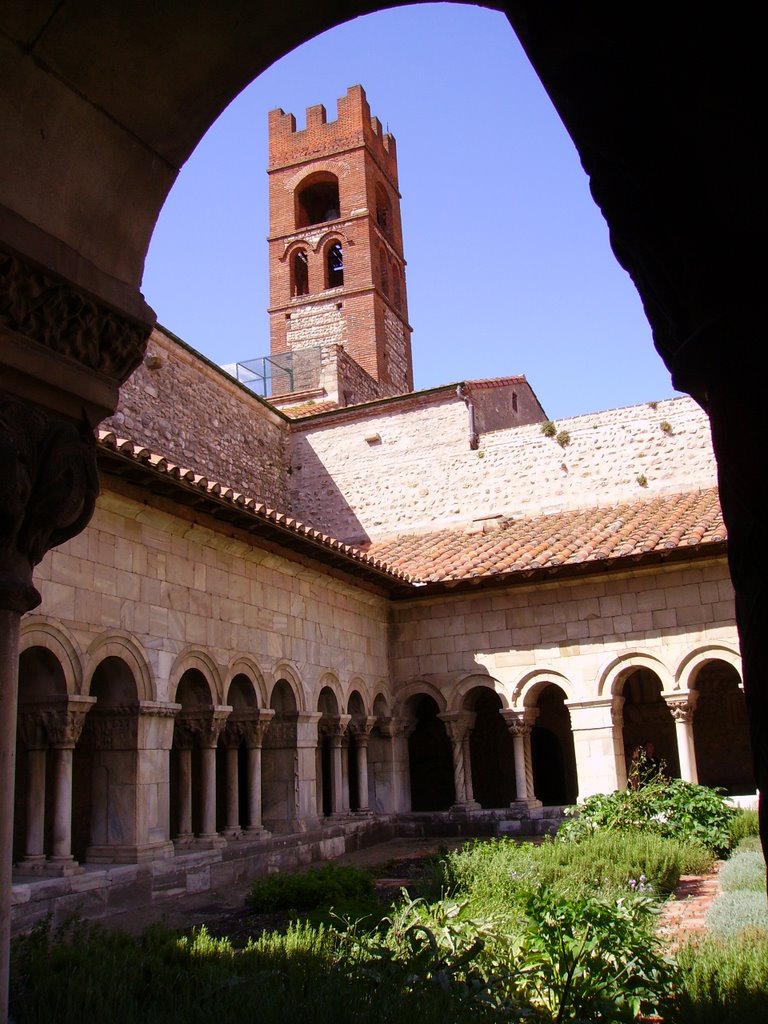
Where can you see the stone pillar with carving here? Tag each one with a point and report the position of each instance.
(459, 725)
(397, 795)
(255, 727)
(64, 726)
(681, 707)
(63, 355)
(306, 767)
(520, 724)
(35, 738)
(360, 729)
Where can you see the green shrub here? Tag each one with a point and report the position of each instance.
(743, 824)
(723, 982)
(733, 912)
(743, 871)
(314, 888)
(667, 807)
(751, 844)
(591, 958)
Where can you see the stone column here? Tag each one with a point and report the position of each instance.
(64, 726)
(198, 728)
(63, 355)
(598, 744)
(210, 730)
(344, 791)
(360, 729)
(520, 724)
(232, 827)
(459, 725)
(306, 767)
(35, 740)
(394, 730)
(681, 708)
(254, 738)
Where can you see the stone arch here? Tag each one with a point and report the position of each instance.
(55, 639)
(333, 264)
(285, 673)
(491, 747)
(128, 650)
(465, 686)
(380, 705)
(647, 722)
(419, 686)
(612, 677)
(720, 725)
(430, 759)
(244, 666)
(527, 690)
(553, 756)
(330, 681)
(202, 663)
(689, 666)
(356, 685)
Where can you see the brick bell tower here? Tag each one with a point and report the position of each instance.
(337, 271)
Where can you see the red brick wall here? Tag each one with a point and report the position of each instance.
(363, 159)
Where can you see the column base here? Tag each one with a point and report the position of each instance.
(257, 832)
(464, 809)
(184, 842)
(232, 832)
(363, 812)
(34, 865)
(212, 841)
(126, 854)
(531, 804)
(58, 867)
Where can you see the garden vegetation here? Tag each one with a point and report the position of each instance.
(500, 931)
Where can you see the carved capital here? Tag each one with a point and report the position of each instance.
(114, 728)
(56, 723)
(390, 727)
(53, 313)
(519, 723)
(50, 486)
(199, 727)
(458, 724)
(681, 708)
(360, 729)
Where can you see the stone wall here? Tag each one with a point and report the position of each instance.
(183, 407)
(173, 585)
(422, 475)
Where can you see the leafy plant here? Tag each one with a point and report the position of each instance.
(665, 427)
(548, 429)
(592, 958)
(563, 438)
(667, 807)
(642, 479)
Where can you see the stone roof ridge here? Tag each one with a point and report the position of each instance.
(162, 466)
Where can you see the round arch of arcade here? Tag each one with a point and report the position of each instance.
(54, 638)
(129, 652)
(613, 676)
(199, 661)
(247, 667)
(475, 682)
(284, 672)
(528, 689)
(693, 662)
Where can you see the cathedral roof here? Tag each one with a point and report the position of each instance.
(501, 550)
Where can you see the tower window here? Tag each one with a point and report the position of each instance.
(318, 201)
(299, 273)
(398, 294)
(383, 210)
(384, 272)
(334, 262)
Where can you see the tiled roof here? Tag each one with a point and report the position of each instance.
(571, 538)
(274, 525)
(488, 549)
(495, 382)
(308, 408)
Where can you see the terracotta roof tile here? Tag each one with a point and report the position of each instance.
(567, 538)
(573, 537)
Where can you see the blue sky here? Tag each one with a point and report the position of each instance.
(509, 267)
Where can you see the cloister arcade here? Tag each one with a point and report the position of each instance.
(108, 774)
